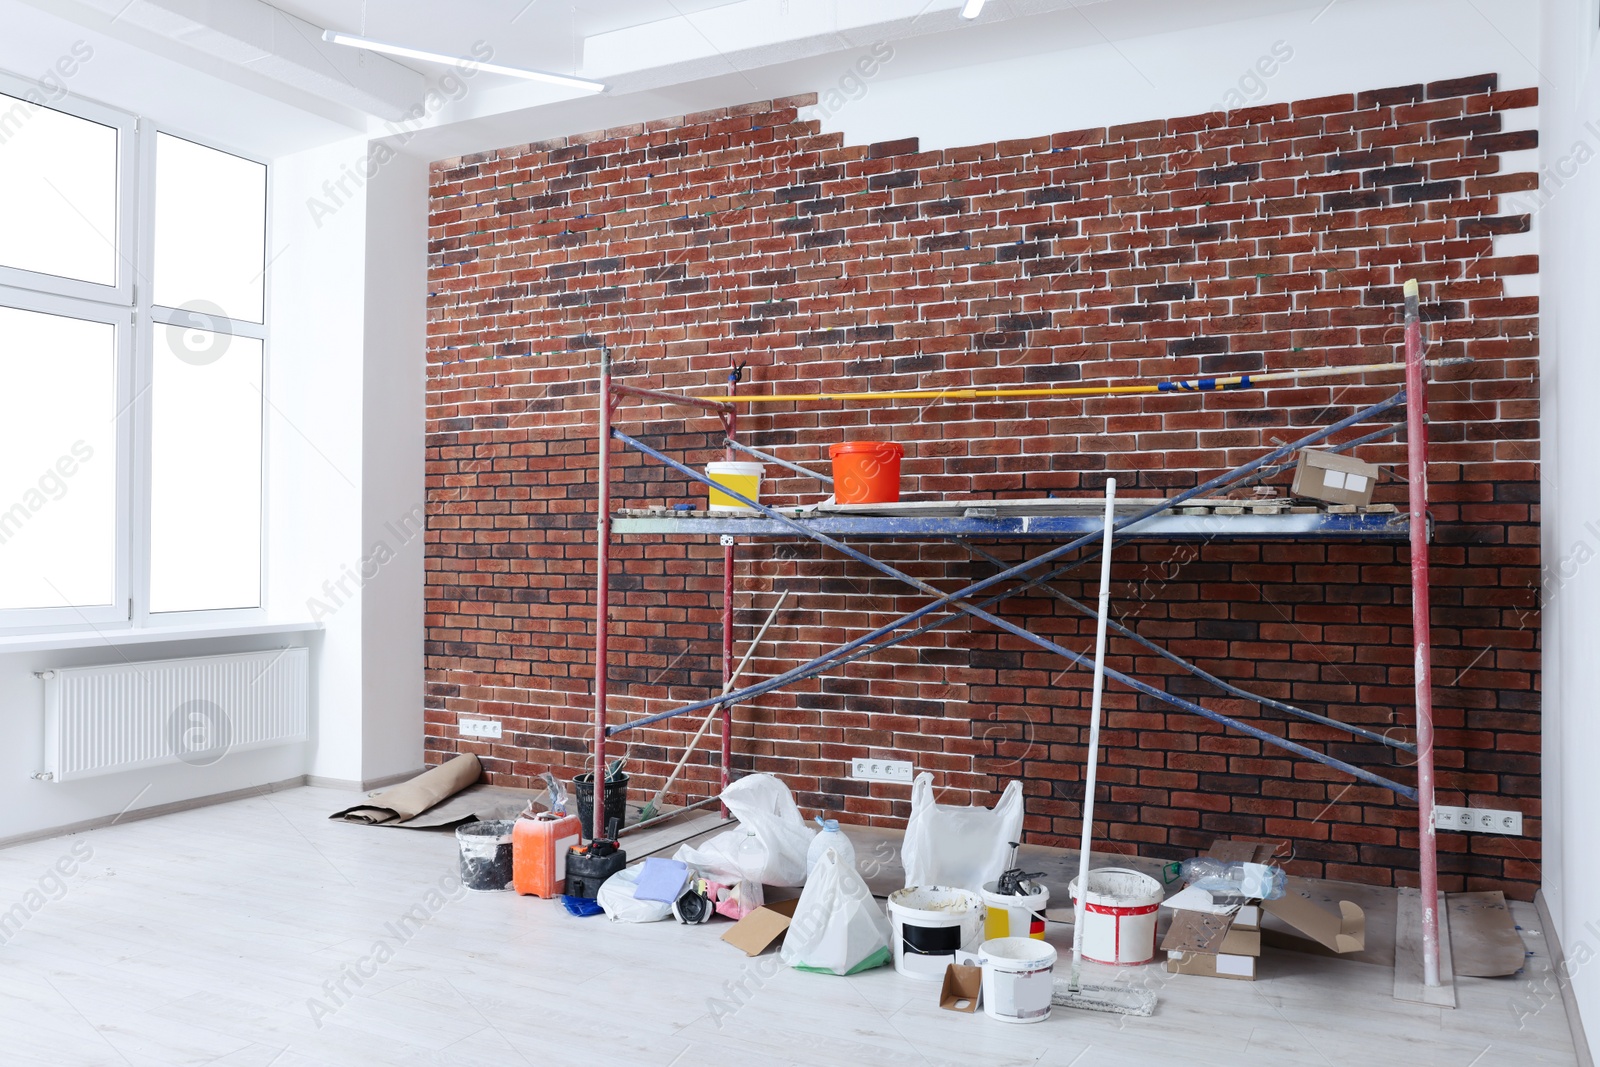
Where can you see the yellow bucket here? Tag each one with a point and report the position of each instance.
(741, 478)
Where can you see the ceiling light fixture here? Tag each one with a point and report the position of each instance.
(971, 9)
(334, 37)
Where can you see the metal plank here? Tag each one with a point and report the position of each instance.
(1318, 526)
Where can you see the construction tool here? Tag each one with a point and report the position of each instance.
(650, 809)
(1074, 992)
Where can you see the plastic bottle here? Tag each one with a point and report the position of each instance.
(539, 844)
(1246, 881)
(752, 857)
(834, 838)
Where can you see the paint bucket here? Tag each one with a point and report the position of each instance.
(616, 801)
(1017, 979)
(486, 855)
(866, 472)
(1015, 916)
(930, 923)
(742, 478)
(1119, 922)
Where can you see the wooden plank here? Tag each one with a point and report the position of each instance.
(1408, 976)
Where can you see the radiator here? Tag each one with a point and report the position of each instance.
(126, 716)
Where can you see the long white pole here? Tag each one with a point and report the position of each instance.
(1092, 762)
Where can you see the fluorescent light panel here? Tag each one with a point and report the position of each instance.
(971, 9)
(335, 37)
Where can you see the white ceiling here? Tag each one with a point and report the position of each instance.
(635, 46)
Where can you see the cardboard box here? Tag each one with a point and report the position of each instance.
(762, 928)
(1338, 925)
(1212, 965)
(1333, 477)
(963, 987)
(1211, 945)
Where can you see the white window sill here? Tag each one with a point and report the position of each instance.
(37, 642)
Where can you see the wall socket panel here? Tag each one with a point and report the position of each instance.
(865, 768)
(1478, 820)
(480, 728)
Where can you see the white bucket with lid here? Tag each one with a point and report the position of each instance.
(1018, 978)
(930, 924)
(742, 478)
(1119, 922)
(1015, 916)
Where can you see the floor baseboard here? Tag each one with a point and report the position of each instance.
(152, 811)
(1558, 960)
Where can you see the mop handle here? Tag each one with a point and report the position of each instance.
(1094, 733)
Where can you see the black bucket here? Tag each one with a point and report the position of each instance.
(486, 854)
(616, 801)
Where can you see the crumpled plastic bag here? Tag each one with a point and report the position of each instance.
(837, 927)
(764, 804)
(616, 899)
(955, 845)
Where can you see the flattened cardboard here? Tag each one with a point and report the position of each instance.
(963, 985)
(1202, 932)
(1335, 478)
(1195, 931)
(1337, 925)
(1484, 942)
(762, 928)
(1213, 965)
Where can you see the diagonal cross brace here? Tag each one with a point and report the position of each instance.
(954, 599)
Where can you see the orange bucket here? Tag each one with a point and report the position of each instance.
(866, 472)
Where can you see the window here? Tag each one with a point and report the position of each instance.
(132, 369)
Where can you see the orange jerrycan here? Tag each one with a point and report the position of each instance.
(539, 844)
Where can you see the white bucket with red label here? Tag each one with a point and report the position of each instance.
(1119, 922)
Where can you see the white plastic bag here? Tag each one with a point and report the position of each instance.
(761, 803)
(616, 898)
(837, 927)
(959, 846)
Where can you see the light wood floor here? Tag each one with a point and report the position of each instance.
(223, 936)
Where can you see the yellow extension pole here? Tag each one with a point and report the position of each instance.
(1184, 385)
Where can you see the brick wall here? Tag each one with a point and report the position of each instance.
(1267, 238)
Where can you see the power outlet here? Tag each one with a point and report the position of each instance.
(1478, 820)
(866, 768)
(480, 728)
(1494, 821)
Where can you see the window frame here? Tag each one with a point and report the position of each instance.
(130, 307)
(128, 200)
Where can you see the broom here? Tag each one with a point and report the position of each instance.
(651, 808)
(1073, 992)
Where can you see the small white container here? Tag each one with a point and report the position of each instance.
(930, 924)
(1018, 978)
(1020, 916)
(1119, 922)
(742, 478)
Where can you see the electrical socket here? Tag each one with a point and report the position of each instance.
(480, 728)
(1478, 820)
(866, 768)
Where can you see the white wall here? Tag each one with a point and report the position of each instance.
(393, 440)
(1570, 373)
(314, 429)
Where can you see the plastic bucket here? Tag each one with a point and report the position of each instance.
(1011, 916)
(1017, 979)
(866, 472)
(1119, 922)
(930, 924)
(486, 855)
(616, 801)
(742, 478)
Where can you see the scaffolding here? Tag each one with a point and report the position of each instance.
(1158, 520)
